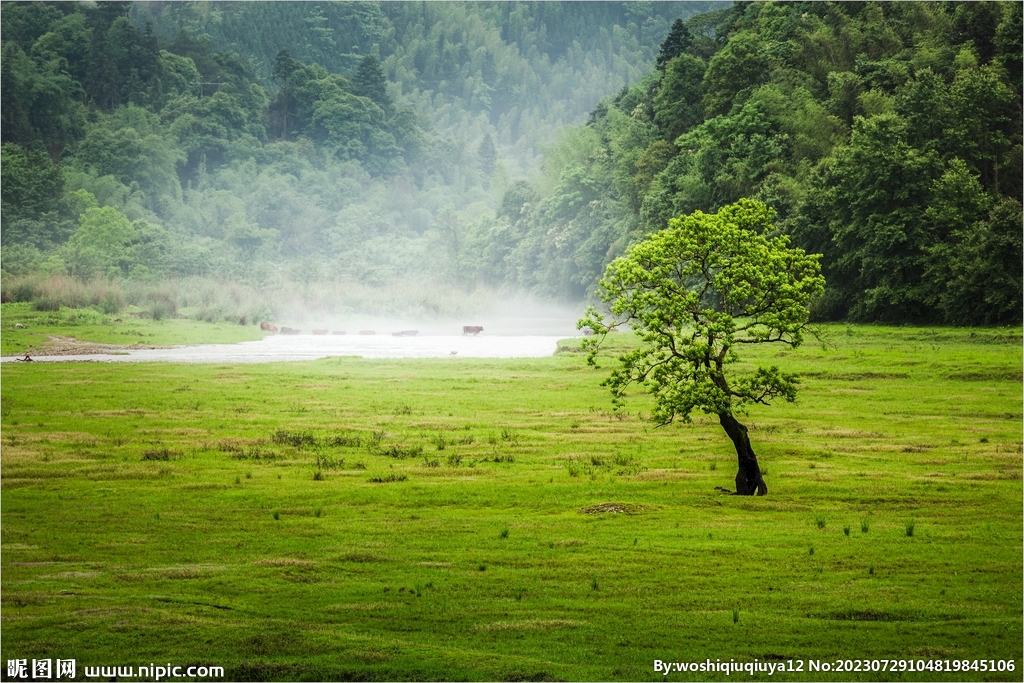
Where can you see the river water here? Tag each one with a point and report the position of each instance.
(309, 347)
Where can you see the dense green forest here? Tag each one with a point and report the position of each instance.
(887, 136)
(339, 145)
(333, 149)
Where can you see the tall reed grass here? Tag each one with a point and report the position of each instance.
(214, 299)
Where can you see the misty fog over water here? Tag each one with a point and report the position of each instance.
(513, 330)
(308, 347)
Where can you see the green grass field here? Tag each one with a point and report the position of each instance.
(476, 519)
(40, 327)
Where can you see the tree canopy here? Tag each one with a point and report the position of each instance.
(854, 121)
(694, 294)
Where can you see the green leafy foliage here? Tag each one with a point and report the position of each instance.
(347, 140)
(376, 142)
(882, 134)
(694, 293)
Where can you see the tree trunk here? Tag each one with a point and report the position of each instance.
(748, 479)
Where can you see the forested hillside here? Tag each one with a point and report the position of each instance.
(300, 142)
(887, 136)
(334, 149)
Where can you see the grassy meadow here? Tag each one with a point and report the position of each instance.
(493, 519)
(38, 329)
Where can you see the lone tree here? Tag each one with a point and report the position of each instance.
(694, 293)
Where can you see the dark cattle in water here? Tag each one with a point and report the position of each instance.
(471, 329)
(267, 327)
(319, 331)
(367, 332)
(405, 333)
(288, 330)
(336, 332)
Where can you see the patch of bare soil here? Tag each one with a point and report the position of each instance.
(613, 508)
(69, 346)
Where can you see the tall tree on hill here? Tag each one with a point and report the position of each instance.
(369, 81)
(488, 155)
(675, 44)
(284, 67)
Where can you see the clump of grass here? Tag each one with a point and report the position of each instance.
(404, 409)
(713, 466)
(159, 454)
(399, 453)
(238, 480)
(466, 440)
(297, 439)
(318, 511)
(357, 466)
(520, 592)
(910, 528)
(596, 461)
(509, 436)
(482, 567)
(248, 475)
(820, 521)
(810, 550)
(864, 526)
(504, 533)
(276, 514)
(388, 478)
(846, 529)
(735, 616)
(440, 441)
(318, 475)
(431, 462)
(326, 462)
(342, 440)
(871, 570)
(593, 584)
(578, 466)
(454, 460)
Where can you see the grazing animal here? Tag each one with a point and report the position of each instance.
(405, 333)
(319, 331)
(367, 332)
(288, 330)
(19, 326)
(267, 327)
(471, 329)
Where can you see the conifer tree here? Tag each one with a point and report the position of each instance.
(370, 82)
(675, 44)
(488, 154)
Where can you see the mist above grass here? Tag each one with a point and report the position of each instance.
(343, 304)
